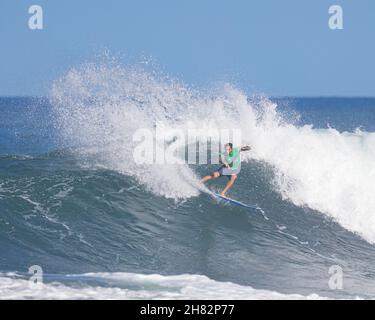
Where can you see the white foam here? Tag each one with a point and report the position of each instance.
(139, 286)
(325, 170)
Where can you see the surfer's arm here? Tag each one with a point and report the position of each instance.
(223, 161)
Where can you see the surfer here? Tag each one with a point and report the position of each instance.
(231, 162)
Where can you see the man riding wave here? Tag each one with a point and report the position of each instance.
(231, 165)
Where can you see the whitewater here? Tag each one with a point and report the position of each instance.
(324, 169)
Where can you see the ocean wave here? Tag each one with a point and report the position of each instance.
(98, 108)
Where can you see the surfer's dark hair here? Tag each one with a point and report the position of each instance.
(229, 144)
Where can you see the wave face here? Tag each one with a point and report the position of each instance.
(73, 200)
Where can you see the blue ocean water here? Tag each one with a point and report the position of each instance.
(100, 227)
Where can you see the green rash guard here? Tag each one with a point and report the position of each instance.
(233, 158)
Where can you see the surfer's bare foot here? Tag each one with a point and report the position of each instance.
(222, 194)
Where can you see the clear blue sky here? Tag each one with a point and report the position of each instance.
(274, 47)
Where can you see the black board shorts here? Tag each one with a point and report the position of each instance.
(228, 172)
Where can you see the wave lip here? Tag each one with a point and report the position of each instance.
(130, 286)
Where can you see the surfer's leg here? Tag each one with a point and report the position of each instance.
(213, 176)
(233, 177)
